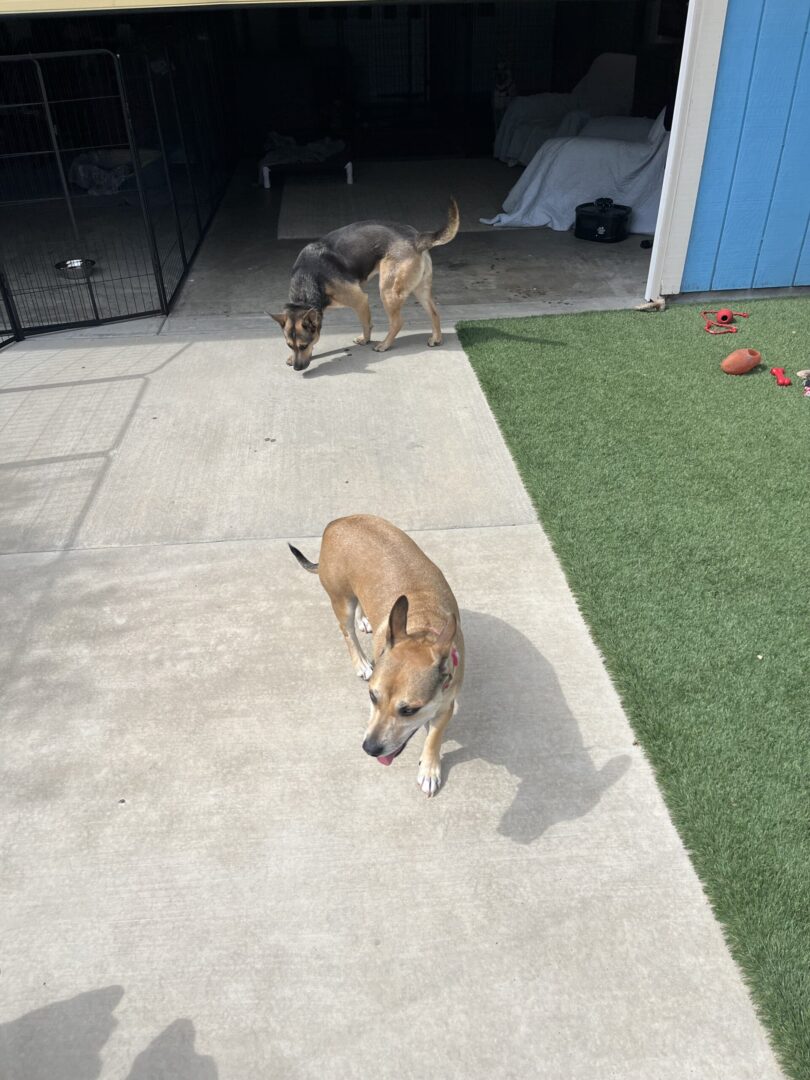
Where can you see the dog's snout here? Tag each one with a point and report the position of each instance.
(372, 747)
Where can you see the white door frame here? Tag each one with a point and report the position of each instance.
(703, 39)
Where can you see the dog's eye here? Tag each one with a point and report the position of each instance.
(373, 697)
(408, 710)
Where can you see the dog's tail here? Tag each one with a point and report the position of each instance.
(427, 240)
(312, 567)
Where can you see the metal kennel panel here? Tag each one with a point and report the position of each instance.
(179, 152)
(200, 101)
(8, 331)
(78, 246)
(164, 168)
(180, 98)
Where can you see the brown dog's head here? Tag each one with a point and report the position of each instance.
(407, 685)
(302, 328)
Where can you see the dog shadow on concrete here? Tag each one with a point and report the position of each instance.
(64, 1040)
(361, 359)
(512, 713)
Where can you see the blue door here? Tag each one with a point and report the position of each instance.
(750, 228)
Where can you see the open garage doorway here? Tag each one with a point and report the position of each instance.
(424, 100)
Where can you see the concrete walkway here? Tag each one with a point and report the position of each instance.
(203, 875)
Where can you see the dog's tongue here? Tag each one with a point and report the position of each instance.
(386, 759)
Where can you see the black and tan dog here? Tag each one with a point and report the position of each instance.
(331, 272)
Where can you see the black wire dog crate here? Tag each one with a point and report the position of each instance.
(111, 168)
(7, 331)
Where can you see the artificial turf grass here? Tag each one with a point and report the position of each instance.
(676, 498)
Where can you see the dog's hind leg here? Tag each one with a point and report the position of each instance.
(424, 294)
(396, 284)
(393, 309)
(345, 611)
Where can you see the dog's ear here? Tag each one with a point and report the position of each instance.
(445, 638)
(280, 319)
(398, 622)
(311, 320)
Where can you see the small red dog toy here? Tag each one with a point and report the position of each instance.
(780, 376)
(723, 322)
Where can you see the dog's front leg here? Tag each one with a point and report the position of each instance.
(362, 622)
(429, 773)
(363, 311)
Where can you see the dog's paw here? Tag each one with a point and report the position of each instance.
(382, 347)
(363, 669)
(429, 776)
(361, 340)
(364, 625)
(290, 361)
(434, 341)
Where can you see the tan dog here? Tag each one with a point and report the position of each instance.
(376, 574)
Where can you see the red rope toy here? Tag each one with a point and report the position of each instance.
(723, 323)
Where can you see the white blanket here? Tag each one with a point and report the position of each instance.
(566, 172)
(606, 89)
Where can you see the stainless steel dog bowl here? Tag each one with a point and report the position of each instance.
(75, 268)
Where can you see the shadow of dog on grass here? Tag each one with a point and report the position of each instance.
(512, 713)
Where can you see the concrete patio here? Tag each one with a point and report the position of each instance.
(204, 876)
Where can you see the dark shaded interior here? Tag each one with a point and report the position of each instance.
(205, 89)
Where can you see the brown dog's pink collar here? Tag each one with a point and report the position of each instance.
(454, 660)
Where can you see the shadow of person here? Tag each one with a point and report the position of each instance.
(512, 713)
(171, 1056)
(62, 1040)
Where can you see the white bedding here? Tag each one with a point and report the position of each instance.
(526, 137)
(530, 121)
(566, 172)
(629, 128)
